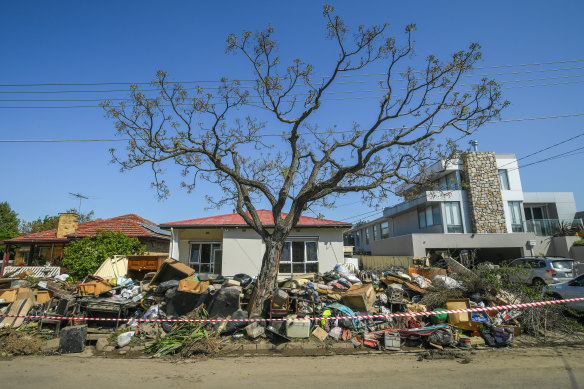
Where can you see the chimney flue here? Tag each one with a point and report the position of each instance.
(67, 224)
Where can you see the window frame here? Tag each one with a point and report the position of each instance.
(375, 231)
(517, 220)
(429, 216)
(198, 265)
(504, 179)
(452, 228)
(291, 262)
(384, 236)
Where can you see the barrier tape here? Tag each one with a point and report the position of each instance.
(375, 316)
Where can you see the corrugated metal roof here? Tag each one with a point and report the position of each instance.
(37, 271)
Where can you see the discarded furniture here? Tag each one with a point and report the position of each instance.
(140, 265)
(171, 270)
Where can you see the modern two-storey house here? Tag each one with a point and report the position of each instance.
(474, 202)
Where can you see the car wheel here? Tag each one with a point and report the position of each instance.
(538, 282)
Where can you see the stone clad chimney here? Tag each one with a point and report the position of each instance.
(485, 201)
(67, 224)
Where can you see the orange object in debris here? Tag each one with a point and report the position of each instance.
(93, 288)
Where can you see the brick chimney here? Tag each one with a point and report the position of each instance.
(67, 224)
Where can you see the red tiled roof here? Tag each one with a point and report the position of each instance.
(128, 224)
(266, 217)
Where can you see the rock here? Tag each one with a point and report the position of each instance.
(108, 349)
(51, 345)
(122, 352)
(101, 344)
(73, 339)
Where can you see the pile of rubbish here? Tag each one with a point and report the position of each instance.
(175, 291)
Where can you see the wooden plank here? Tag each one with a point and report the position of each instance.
(19, 307)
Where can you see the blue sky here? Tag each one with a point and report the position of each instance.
(111, 41)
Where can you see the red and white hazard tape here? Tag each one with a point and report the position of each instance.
(378, 316)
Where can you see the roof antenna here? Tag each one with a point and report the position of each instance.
(80, 197)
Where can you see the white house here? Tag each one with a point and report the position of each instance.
(226, 245)
(475, 202)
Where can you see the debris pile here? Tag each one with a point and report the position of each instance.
(175, 291)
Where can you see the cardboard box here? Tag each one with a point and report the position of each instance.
(8, 295)
(516, 329)
(190, 285)
(93, 288)
(360, 298)
(461, 320)
(42, 296)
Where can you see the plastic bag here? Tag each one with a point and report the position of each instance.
(448, 282)
(152, 312)
(125, 338)
(336, 333)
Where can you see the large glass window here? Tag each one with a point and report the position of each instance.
(203, 256)
(375, 232)
(299, 257)
(516, 217)
(453, 216)
(504, 179)
(429, 216)
(367, 235)
(358, 239)
(451, 181)
(384, 230)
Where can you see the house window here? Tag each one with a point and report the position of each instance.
(429, 216)
(504, 179)
(375, 236)
(299, 257)
(450, 181)
(453, 217)
(203, 256)
(358, 239)
(384, 230)
(366, 235)
(516, 217)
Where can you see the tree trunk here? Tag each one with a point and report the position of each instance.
(267, 280)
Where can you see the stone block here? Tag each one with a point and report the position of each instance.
(73, 339)
(101, 344)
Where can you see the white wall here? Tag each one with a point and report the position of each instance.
(515, 192)
(243, 249)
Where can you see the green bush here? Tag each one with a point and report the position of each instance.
(85, 256)
(579, 242)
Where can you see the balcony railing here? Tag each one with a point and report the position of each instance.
(549, 227)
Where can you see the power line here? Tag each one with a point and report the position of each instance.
(545, 149)
(252, 80)
(281, 134)
(338, 83)
(553, 157)
(250, 102)
(328, 93)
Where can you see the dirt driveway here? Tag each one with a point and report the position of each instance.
(559, 367)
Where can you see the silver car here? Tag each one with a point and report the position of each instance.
(540, 271)
(568, 290)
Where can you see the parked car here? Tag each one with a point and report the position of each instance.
(545, 270)
(568, 290)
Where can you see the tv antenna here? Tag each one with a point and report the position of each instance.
(80, 197)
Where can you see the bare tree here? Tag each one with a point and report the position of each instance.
(209, 136)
